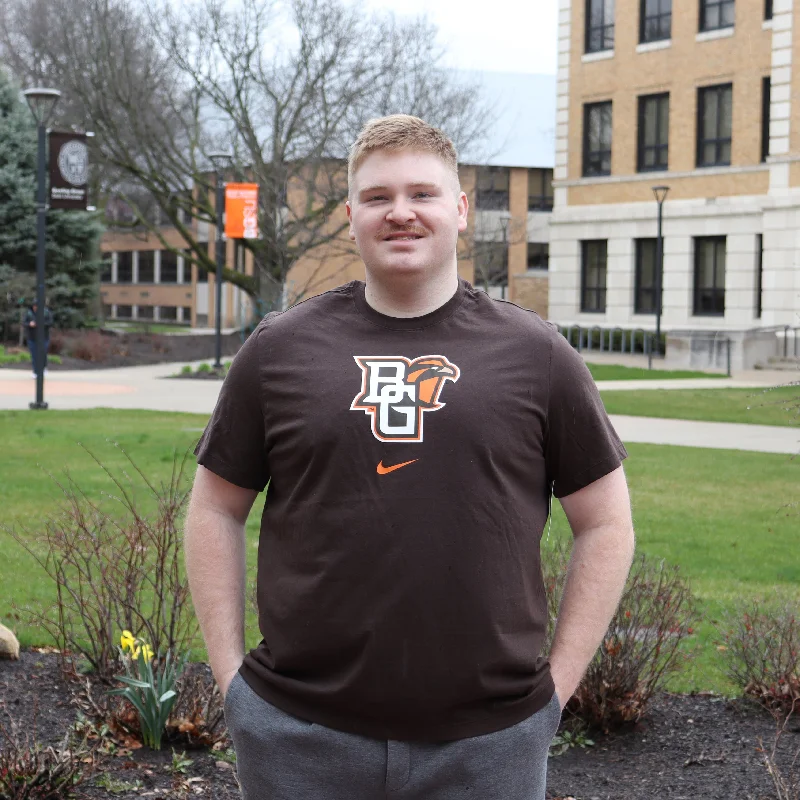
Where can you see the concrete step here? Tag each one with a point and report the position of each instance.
(789, 364)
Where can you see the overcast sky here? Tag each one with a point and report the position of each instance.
(499, 35)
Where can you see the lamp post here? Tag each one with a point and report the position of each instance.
(660, 193)
(220, 162)
(41, 103)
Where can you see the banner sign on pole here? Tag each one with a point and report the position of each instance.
(241, 210)
(69, 170)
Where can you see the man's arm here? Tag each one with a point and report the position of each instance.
(215, 565)
(602, 554)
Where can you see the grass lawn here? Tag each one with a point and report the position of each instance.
(615, 372)
(718, 514)
(144, 327)
(756, 406)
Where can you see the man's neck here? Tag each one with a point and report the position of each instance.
(410, 298)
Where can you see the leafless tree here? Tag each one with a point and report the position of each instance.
(284, 84)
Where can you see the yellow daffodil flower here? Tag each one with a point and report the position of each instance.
(127, 641)
(147, 652)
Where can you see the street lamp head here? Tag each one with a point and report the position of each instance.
(41, 103)
(221, 160)
(661, 193)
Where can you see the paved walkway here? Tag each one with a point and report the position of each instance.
(149, 388)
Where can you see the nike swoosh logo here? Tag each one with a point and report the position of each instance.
(386, 470)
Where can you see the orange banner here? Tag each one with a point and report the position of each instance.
(241, 210)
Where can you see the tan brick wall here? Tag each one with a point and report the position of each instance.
(140, 240)
(530, 291)
(743, 59)
(517, 229)
(748, 183)
(142, 294)
(794, 174)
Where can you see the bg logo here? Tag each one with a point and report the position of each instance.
(395, 391)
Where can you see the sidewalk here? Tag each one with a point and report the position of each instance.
(148, 388)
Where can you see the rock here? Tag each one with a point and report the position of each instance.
(9, 646)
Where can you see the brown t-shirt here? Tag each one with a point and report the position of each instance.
(410, 463)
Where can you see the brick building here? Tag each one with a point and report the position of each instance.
(696, 96)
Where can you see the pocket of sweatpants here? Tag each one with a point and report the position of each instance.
(227, 705)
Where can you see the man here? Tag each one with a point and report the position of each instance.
(410, 430)
(29, 324)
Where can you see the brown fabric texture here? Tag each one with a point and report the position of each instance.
(410, 465)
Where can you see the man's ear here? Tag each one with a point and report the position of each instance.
(349, 210)
(463, 212)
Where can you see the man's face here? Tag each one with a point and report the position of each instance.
(405, 212)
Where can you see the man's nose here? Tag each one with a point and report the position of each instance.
(401, 212)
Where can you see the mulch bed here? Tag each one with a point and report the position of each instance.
(137, 349)
(688, 747)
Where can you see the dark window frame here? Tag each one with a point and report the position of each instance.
(706, 6)
(543, 254)
(717, 141)
(599, 38)
(127, 315)
(148, 254)
(125, 255)
(593, 159)
(170, 254)
(639, 289)
(759, 274)
(593, 298)
(660, 21)
(659, 147)
(767, 9)
(544, 200)
(494, 198)
(766, 99)
(717, 292)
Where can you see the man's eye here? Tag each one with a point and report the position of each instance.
(376, 197)
(423, 194)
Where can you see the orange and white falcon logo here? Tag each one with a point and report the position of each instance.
(396, 391)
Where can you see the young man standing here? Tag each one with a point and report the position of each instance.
(411, 431)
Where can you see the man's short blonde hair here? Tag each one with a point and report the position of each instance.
(400, 132)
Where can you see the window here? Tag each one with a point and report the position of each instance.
(538, 255)
(655, 20)
(593, 275)
(147, 266)
(169, 267)
(599, 25)
(767, 9)
(766, 92)
(239, 251)
(168, 313)
(107, 309)
(491, 264)
(714, 126)
(540, 190)
(759, 272)
(125, 267)
(187, 313)
(124, 312)
(653, 132)
(709, 276)
(597, 139)
(105, 272)
(716, 14)
(644, 292)
(144, 312)
(492, 189)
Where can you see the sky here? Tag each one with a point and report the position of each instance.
(497, 36)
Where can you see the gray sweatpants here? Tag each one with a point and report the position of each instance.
(281, 757)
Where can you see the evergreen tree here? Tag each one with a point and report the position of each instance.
(73, 237)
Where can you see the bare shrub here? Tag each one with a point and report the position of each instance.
(640, 648)
(760, 638)
(30, 771)
(786, 781)
(57, 342)
(115, 572)
(89, 346)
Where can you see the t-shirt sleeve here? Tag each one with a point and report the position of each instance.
(233, 443)
(581, 444)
